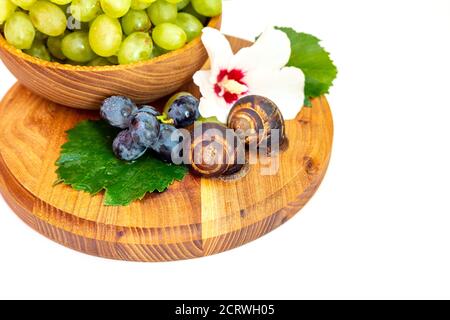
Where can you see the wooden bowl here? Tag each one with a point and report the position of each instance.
(86, 87)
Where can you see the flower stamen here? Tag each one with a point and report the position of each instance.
(230, 85)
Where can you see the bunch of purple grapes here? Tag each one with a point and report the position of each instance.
(144, 128)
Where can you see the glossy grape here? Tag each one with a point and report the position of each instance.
(125, 148)
(136, 47)
(161, 11)
(54, 45)
(7, 8)
(48, 18)
(85, 10)
(208, 8)
(173, 98)
(184, 111)
(151, 110)
(169, 36)
(118, 111)
(144, 129)
(183, 4)
(39, 50)
(190, 24)
(141, 4)
(19, 31)
(190, 9)
(115, 8)
(76, 47)
(169, 143)
(134, 21)
(105, 36)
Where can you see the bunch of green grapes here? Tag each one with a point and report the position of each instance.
(103, 32)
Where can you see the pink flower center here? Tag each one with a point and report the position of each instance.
(230, 85)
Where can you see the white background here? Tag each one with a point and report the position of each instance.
(379, 226)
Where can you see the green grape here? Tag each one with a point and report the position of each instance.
(85, 10)
(190, 24)
(158, 51)
(208, 8)
(19, 31)
(183, 4)
(136, 20)
(76, 47)
(24, 4)
(162, 11)
(54, 45)
(141, 4)
(39, 50)
(75, 63)
(7, 8)
(169, 36)
(136, 47)
(115, 8)
(190, 9)
(173, 1)
(39, 35)
(61, 2)
(113, 59)
(48, 18)
(99, 62)
(105, 36)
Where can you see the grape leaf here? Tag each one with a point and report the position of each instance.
(88, 164)
(313, 60)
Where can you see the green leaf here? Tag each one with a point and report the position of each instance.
(313, 60)
(307, 102)
(87, 163)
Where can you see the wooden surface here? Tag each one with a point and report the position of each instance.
(85, 87)
(194, 218)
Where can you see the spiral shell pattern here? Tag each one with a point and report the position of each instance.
(258, 115)
(213, 153)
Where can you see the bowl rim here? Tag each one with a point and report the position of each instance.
(215, 22)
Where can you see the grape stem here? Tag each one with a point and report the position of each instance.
(165, 119)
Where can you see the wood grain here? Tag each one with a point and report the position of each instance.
(194, 218)
(85, 87)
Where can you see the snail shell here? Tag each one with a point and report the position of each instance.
(215, 150)
(254, 117)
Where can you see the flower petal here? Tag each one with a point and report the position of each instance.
(285, 87)
(214, 106)
(271, 51)
(218, 47)
(202, 80)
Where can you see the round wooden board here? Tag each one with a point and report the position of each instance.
(194, 218)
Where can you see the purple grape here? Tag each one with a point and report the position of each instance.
(170, 139)
(184, 111)
(151, 110)
(118, 111)
(125, 148)
(144, 129)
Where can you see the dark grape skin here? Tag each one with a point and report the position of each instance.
(151, 110)
(184, 111)
(118, 111)
(164, 146)
(144, 128)
(125, 148)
